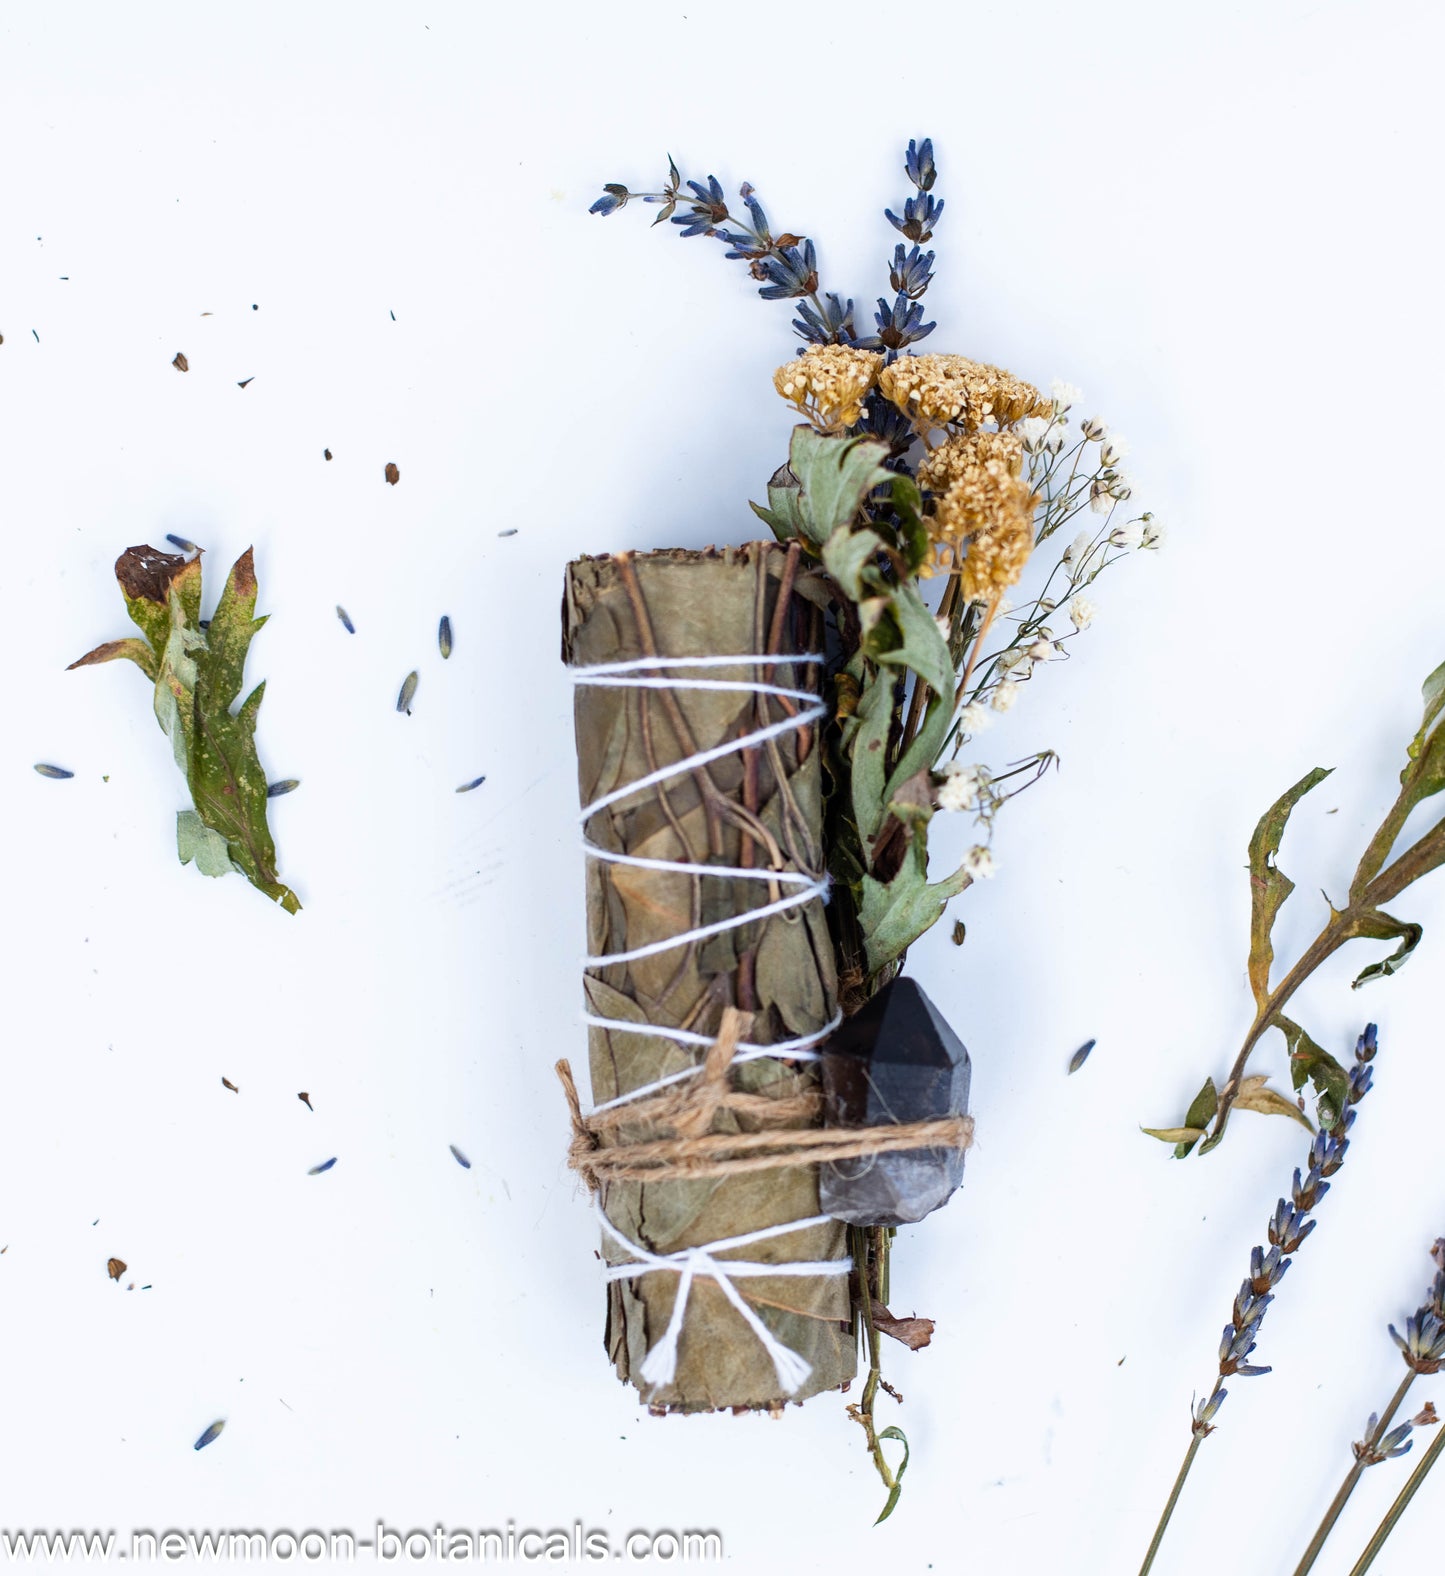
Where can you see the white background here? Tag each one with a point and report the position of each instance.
(1221, 221)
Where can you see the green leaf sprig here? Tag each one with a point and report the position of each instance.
(1377, 881)
(197, 673)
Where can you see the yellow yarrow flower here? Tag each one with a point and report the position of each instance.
(828, 384)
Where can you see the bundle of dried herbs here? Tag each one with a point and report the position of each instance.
(910, 474)
(197, 667)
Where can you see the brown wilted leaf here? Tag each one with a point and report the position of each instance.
(960, 932)
(912, 1332)
(115, 1268)
(1426, 1417)
(392, 474)
(230, 1086)
(180, 363)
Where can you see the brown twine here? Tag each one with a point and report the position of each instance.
(689, 1108)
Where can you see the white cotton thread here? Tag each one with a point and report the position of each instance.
(797, 1050)
(641, 673)
(659, 1367)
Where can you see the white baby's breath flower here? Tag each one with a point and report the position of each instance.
(1033, 430)
(1154, 534)
(1065, 394)
(1116, 446)
(1078, 550)
(1093, 428)
(1005, 696)
(1056, 436)
(1130, 535)
(960, 786)
(1081, 610)
(1120, 487)
(1099, 500)
(974, 718)
(978, 862)
(945, 624)
(1011, 658)
(1042, 650)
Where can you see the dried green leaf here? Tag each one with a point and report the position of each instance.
(129, 649)
(896, 1488)
(1181, 1137)
(895, 914)
(1307, 1060)
(1269, 885)
(1377, 926)
(847, 554)
(1256, 1095)
(913, 534)
(835, 475)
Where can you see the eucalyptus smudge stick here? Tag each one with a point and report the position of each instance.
(1378, 880)
(918, 490)
(196, 669)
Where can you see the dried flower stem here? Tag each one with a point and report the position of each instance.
(1362, 1460)
(1169, 1505)
(1402, 1499)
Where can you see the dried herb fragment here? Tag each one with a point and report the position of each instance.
(244, 382)
(444, 636)
(59, 773)
(182, 544)
(1077, 1060)
(285, 786)
(325, 1165)
(960, 932)
(392, 474)
(229, 1085)
(115, 1268)
(305, 1099)
(197, 672)
(913, 1332)
(212, 1434)
(408, 693)
(341, 612)
(460, 1158)
(476, 782)
(180, 363)
(326, 454)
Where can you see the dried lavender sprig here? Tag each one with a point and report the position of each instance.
(1422, 1347)
(1431, 1456)
(1288, 1228)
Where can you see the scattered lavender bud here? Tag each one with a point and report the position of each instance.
(325, 1165)
(59, 773)
(1077, 1060)
(212, 1434)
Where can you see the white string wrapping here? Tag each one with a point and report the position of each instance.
(642, 673)
(659, 1367)
(690, 1264)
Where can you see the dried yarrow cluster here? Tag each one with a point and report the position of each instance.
(829, 383)
(940, 391)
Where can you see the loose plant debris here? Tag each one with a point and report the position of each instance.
(229, 1085)
(212, 1434)
(180, 363)
(115, 1268)
(305, 1099)
(325, 1165)
(408, 693)
(344, 616)
(460, 1158)
(1376, 882)
(960, 932)
(510, 531)
(1077, 1060)
(285, 786)
(444, 636)
(197, 673)
(326, 454)
(910, 467)
(244, 381)
(182, 545)
(392, 474)
(57, 773)
(476, 782)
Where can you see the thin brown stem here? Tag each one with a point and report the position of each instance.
(1402, 1499)
(1341, 1499)
(1170, 1503)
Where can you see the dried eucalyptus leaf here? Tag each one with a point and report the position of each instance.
(1270, 886)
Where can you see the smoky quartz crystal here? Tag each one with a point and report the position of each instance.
(895, 1060)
